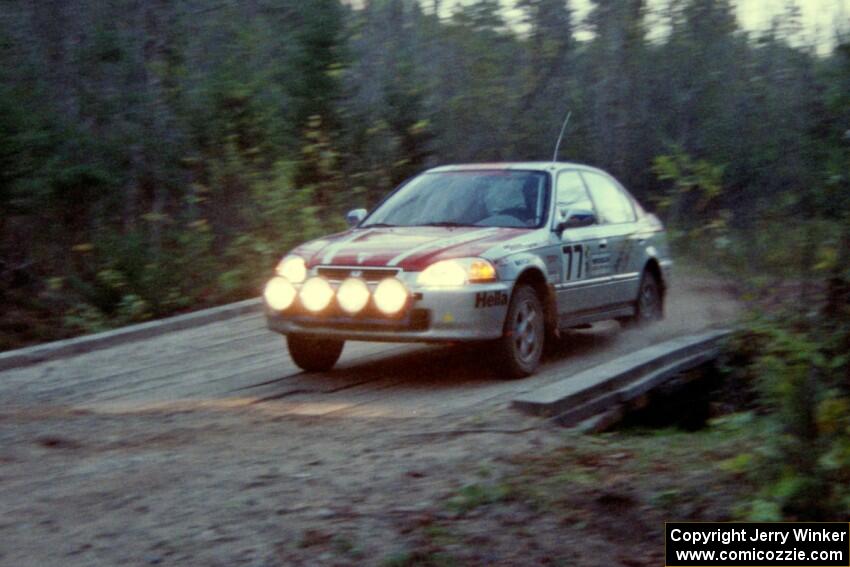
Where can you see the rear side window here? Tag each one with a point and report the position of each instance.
(612, 204)
(571, 194)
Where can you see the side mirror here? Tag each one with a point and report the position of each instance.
(355, 217)
(576, 218)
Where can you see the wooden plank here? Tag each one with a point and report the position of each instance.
(88, 343)
(600, 387)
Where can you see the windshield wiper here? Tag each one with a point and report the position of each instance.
(444, 223)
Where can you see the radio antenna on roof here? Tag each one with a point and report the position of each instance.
(561, 136)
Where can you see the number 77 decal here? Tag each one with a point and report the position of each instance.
(573, 262)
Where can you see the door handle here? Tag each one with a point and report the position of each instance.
(603, 244)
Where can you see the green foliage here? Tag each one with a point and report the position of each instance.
(800, 373)
(279, 217)
(704, 226)
(693, 202)
(190, 147)
(120, 279)
(473, 496)
(789, 360)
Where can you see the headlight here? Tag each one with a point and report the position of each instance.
(353, 295)
(279, 293)
(292, 268)
(316, 294)
(457, 272)
(390, 296)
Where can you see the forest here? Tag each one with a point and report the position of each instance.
(159, 156)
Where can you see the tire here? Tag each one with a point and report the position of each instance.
(649, 304)
(314, 354)
(524, 337)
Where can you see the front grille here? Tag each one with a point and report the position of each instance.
(334, 273)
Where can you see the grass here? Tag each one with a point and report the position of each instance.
(610, 492)
(592, 500)
(472, 496)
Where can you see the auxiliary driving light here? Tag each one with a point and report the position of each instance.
(316, 294)
(293, 268)
(390, 296)
(353, 295)
(279, 293)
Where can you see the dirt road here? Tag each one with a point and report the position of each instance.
(208, 447)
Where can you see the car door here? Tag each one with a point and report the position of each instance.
(617, 223)
(579, 288)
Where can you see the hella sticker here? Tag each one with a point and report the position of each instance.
(490, 299)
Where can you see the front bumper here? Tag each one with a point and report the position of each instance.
(471, 313)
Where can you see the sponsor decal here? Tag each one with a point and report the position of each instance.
(625, 255)
(490, 299)
(523, 246)
(553, 268)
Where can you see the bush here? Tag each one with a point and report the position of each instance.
(799, 373)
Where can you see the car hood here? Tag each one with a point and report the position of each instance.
(410, 248)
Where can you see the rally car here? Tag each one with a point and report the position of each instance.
(509, 253)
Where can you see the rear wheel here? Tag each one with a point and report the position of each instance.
(314, 354)
(521, 346)
(649, 303)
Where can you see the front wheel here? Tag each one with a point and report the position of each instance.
(521, 346)
(314, 354)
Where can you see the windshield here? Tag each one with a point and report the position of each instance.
(503, 198)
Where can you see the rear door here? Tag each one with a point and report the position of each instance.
(617, 223)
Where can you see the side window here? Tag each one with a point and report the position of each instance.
(571, 193)
(612, 205)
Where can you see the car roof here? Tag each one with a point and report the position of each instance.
(514, 165)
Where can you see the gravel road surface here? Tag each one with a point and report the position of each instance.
(209, 447)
